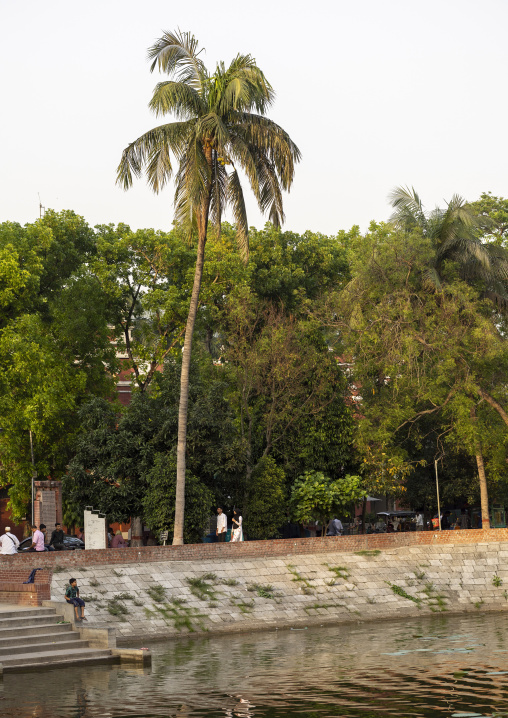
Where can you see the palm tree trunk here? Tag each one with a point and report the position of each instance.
(484, 497)
(184, 389)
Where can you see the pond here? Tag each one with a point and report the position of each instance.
(433, 666)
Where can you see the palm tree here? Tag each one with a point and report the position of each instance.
(454, 235)
(220, 123)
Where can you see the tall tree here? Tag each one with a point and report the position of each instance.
(220, 122)
(421, 354)
(454, 236)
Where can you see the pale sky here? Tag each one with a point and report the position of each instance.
(375, 93)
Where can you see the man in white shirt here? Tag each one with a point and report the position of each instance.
(9, 543)
(222, 526)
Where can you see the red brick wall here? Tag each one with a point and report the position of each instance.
(249, 549)
(13, 590)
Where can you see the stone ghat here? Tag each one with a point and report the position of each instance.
(178, 597)
(252, 549)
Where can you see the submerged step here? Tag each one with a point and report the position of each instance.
(28, 661)
(35, 649)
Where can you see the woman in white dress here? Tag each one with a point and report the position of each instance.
(237, 533)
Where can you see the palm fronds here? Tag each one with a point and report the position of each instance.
(219, 123)
(454, 233)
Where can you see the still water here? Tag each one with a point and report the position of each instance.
(434, 666)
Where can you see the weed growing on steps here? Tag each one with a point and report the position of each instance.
(419, 574)
(262, 591)
(116, 608)
(94, 582)
(180, 616)
(298, 577)
(59, 569)
(157, 593)
(137, 602)
(479, 604)
(315, 607)
(244, 606)
(399, 591)
(200, 587)
(368, 552)
(229, 581)
(497, 580)
(124, 597)
(339, 571)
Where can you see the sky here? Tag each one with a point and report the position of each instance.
(375, 93)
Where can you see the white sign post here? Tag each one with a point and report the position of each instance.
(95, 529)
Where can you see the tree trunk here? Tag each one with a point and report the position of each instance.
(136, 531)
(484, 497)
(202, 221)
(184, 392)
(364, 511)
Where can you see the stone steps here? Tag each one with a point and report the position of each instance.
(34, 630)
(50, 659)
(36, 648)
(33, 639)
(23, 621)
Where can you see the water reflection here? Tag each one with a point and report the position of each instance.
(436, 666)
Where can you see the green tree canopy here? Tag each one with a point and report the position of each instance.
(316, 497)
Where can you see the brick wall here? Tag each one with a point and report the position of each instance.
(250, 549)
(13, 590)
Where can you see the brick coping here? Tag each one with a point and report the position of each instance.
(252, 549)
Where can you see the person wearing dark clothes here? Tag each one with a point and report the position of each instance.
(72, 596)
(57, 538)
(445, 521)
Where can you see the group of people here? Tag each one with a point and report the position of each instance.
(56, 542)
(222, 526)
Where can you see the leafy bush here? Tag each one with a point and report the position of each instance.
(265, 511)
(316, 497)
(159, 500)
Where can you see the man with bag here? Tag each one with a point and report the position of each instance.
(9, 543)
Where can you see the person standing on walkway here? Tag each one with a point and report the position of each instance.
(9, 543)
(237, 534)
(222, 526)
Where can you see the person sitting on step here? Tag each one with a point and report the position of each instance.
(72, 596)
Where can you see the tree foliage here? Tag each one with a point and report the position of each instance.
(159, 500)
(316, 497)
